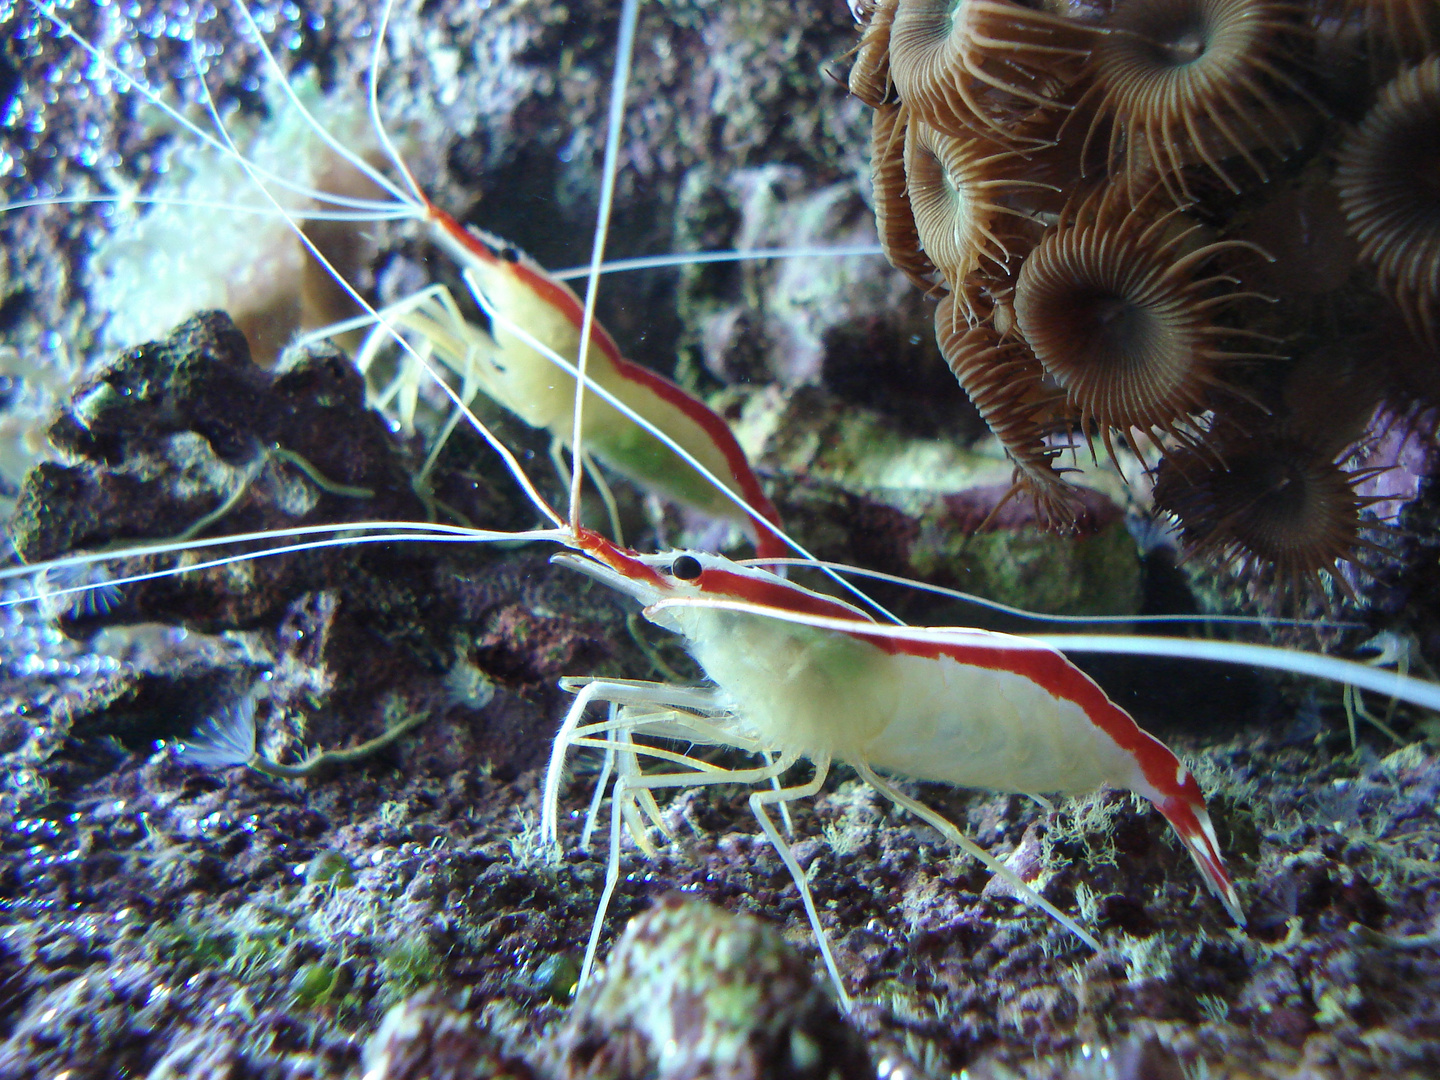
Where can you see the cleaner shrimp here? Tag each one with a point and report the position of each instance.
(825, 683)
(514, 292)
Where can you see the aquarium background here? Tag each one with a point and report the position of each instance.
(396, 917)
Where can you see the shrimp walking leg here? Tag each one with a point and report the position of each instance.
(617, 733)
(427, 313)
(434, 318)
(759, 800)
(607, 765)
(694, 730)
(784, 809)
(960, 840)
(612, 876)
(631, 782)
(618, 692)
(620, 747)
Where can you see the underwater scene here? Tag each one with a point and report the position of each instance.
(680, 538)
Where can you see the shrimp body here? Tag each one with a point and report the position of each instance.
(523, 379)
(967, 707)
(931, 718)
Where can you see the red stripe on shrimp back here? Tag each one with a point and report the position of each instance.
(563, 299)
(1043, 666)
(1060, 678)
(551, 290)
(767, 544)
(777, 594)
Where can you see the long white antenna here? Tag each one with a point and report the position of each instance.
(504, 452)
(701, 258)
(420, 535)
(320, 129)
(615, 122)
(376, 121)
(226, 146)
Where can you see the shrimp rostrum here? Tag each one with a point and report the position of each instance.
(799, 675)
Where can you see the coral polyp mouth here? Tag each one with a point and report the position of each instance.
(1195, 81)
(956, 189)
(1266, 501)
(976, 66)
(1389, 184)
(1117, 339)
(1116, 305)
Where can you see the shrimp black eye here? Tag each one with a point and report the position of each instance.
(509, 254)
(686, 568)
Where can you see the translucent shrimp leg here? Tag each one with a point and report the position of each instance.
(631, 780)
(759, 800)
(621, 692)
(965, 844)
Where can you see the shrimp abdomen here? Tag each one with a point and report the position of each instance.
(979, 727)
(926, 717)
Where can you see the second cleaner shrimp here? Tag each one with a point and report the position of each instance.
(525, 361)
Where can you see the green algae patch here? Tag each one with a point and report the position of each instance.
(1096, 574)
(406, 965)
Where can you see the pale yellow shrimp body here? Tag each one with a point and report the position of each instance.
(902, 712)
(1011, 715)
(526, 381)
(967, 707)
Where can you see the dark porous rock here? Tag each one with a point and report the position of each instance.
(187, 439)
(200, 378)
(186, 433)
(172, 431)
(693, 992)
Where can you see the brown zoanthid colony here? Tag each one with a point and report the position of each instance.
(1208, 230)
